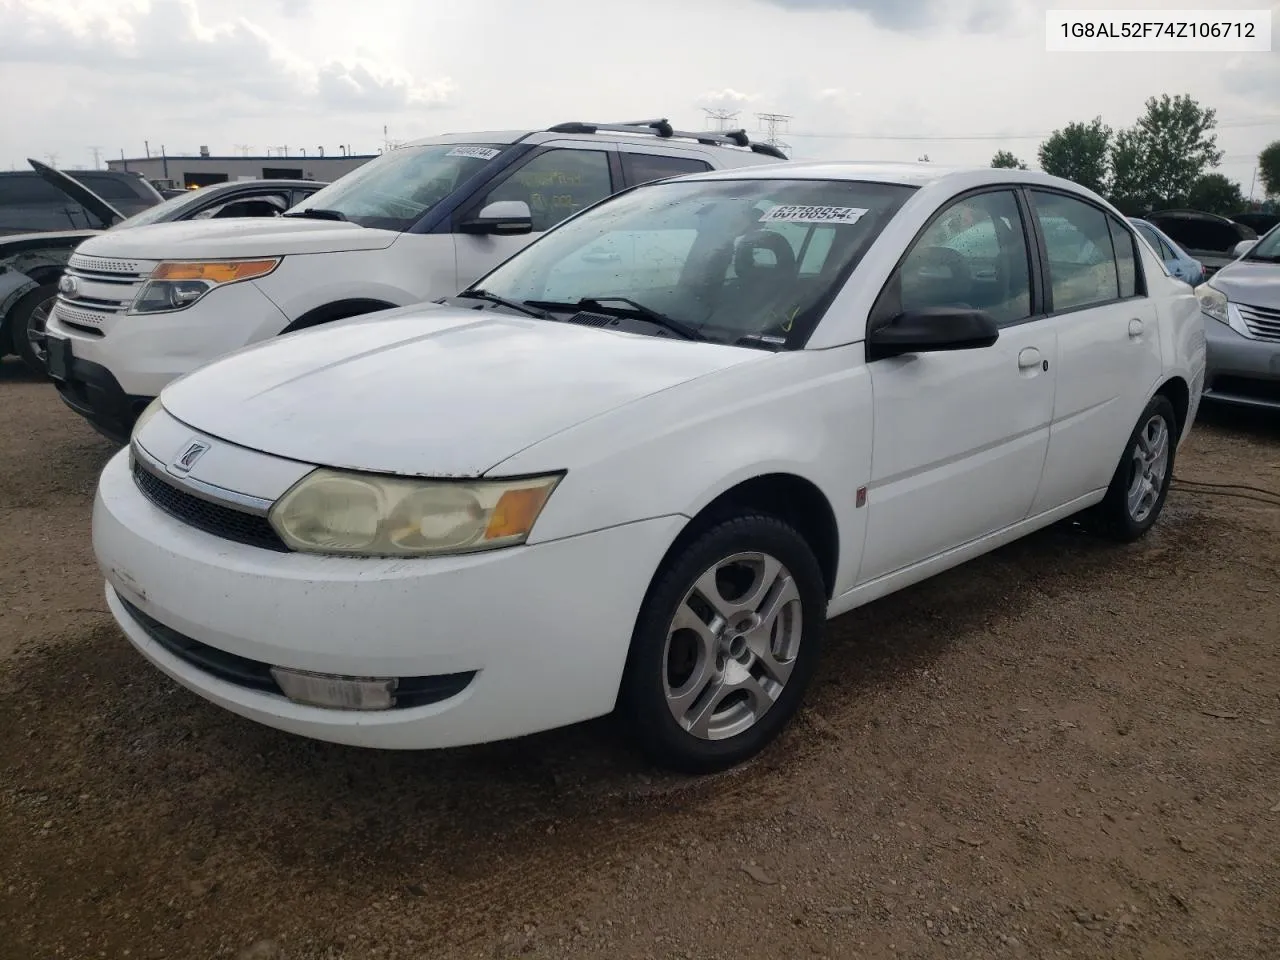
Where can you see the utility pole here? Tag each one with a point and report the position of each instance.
(720, 118)
(53, 160)
(774, 123)
(242, 149)
(97, 154)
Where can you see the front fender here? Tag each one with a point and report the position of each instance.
(805, 413)
(14, 285)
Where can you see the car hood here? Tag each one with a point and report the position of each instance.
(236, 238)
(77, 191)
(1250, 281)
(430, 391)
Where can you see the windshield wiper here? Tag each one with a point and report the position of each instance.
(318, 213)
(678, 327)
(504, 302)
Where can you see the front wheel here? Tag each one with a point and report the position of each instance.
(29, 317)
(725, 645)
(1141, 481)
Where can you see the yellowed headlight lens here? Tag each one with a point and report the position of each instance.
(331, 511)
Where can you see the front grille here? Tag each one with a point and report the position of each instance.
(215, 519)
(1263, 322)
(256, 675)
(79, 261)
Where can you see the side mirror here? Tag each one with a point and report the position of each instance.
(1243, 247)
(932, 330)
(505, 217)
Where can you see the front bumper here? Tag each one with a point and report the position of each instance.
(1241, 370)
(145, 352)
(91, 391)
(545, 629)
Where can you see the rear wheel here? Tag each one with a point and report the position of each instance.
(29, 317)
(725, 645)
(1140, 484)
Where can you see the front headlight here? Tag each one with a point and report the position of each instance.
(177, 284)
(332, 511)
(1213, 302)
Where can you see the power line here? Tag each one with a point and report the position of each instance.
(720, 116)
(773, 122)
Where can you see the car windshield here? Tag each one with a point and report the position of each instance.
(759, 259)
(1268, 248)
(171, 209)
(393, 191)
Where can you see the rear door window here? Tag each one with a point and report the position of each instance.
(645, 167)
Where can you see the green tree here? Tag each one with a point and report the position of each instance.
(1158, 160)
(1007, 161)
(1079, 152)
(1214, 193)
(1269, 168)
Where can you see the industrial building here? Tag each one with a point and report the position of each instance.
(202, 170)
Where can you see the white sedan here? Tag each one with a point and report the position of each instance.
(638, 466)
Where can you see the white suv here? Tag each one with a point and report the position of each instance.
(139, 309)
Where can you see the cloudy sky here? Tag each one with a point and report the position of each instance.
(956, 79)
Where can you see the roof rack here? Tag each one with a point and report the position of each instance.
(662, 128)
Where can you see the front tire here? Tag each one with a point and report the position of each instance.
(1140, 484)
(29, 317)
(725, 645)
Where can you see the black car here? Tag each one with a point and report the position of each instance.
(31, 263)
(1206, 237)
(30, 203)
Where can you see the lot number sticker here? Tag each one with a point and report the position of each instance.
(478, 153)
(794, 213)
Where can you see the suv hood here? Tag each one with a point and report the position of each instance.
(237, 238)
(428, 390)
(1254, 282)
(77, 191)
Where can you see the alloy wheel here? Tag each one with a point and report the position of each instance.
(731, 645)
(1150, 463)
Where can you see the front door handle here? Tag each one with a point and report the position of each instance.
(1135, 329)
(1029, 358)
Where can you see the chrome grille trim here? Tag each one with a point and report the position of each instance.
(1262, 322)
(135, 268)
(242, 502)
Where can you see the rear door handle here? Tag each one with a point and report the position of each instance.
(1135, 329)
(1028, 358)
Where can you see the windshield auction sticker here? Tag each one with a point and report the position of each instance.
(478, 153)
(793, 213)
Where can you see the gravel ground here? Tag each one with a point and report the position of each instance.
(1065, 749)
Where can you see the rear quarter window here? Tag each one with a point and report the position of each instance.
(109, 188)
(27, 189)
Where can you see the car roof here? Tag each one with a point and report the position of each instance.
(906, 174)
(268, 182)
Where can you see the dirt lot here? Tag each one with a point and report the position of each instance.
(1066, 749)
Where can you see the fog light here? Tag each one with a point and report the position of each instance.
(338, 693)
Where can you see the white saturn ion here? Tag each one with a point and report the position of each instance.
(638, 465)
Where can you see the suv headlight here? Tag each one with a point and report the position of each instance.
(1213, 302)
(361, 514)
(177, 284)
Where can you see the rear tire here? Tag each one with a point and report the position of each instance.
(1140, 484)
(725, 645)
(28, 320)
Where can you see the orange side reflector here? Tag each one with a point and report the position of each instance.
(215, 272)
(515, 512)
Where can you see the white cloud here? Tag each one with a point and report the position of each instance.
(267, 72)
